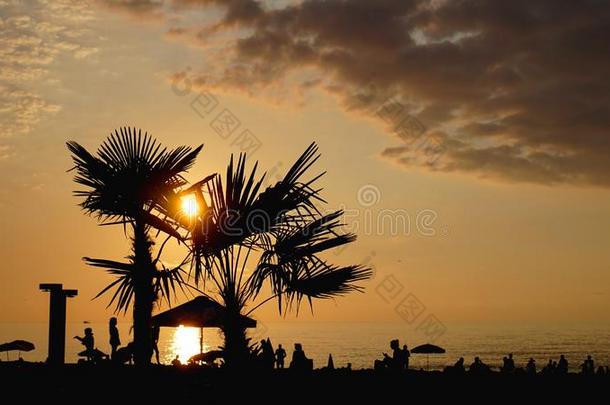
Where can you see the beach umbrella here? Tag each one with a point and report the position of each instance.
(17, 345)
(201, 312)
(428, 349)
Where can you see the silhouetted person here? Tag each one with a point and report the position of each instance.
(404, 357)
(89, 342)
(458, 367)
(393, 362)
(299, 361)
(562, 366)
(475, 365)
(280, 355)
(124, 355)
(396, 354)
(550, 367)
(115, 340)
(601, 370)
(509, 364)
(530, 368)
(478, 367)
(267, 355)
(155, 341)
(588, 367)
(591, 366)
(176, 362)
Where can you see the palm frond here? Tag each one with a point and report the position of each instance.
(323, 281)
(131, 175)
(166, 281)
(123, 285)
(302, 240)
(239, 213)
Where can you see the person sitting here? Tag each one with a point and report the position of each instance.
(478, 367)
(89, 342)
(176, 362)
(509, 364)
(124, 355)
(459, 365)
(475, 367)
(299, 361)
(457, 368)
(549, 368)
(395, 361)
(530, 368)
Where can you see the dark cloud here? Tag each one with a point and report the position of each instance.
(143, 10)
(517, 90)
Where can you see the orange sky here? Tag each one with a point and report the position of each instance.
(499, 247)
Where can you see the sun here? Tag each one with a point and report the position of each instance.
(185, 343)
(189, 205)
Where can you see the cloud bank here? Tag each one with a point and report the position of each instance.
(514, 90)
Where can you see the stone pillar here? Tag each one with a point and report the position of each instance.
(57, 321)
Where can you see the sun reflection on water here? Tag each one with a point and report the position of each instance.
(185, 343)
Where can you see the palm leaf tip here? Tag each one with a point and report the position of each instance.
(328, 282)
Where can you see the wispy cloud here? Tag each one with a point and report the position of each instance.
(5, 151)
(21, 110)
(32, 36)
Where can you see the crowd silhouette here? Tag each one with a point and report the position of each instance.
(269, 358)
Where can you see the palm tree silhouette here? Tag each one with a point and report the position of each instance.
(130, 180)
(242, 239)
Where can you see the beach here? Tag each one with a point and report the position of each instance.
(157, 384)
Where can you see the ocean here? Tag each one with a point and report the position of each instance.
(361, 343)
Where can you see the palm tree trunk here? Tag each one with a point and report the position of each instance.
(144, 296)
(235, 340)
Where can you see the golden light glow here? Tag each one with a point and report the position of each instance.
(185, 343)
(189, 205)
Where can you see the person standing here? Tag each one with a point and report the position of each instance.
(155, 341)
(115, 340)
(280, 355)
(405, 358)
(562, 367)
(510, 364)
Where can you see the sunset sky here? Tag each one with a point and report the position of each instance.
(502, 164)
